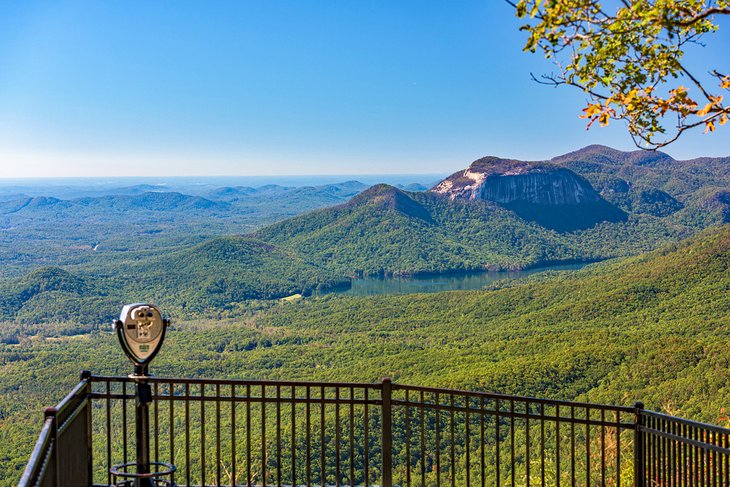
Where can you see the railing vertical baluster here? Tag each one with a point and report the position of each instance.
(263, 435)
(338, 458)
(293, 436)
(323, 474)
(700, 458)
(527, 443)
(512, 441)
(387, 434)
(482, 441)
(542, 443)
(157, 422)
(408, 439)
(689, 461)
(727, 459)
(187, 433)
(666, 427)
(666, 448)
(497, 441)
(695, 457)
(438, 439)
(617, 474)
(234, 403)
(682, 448)
(657, 441)
(202, 434)
(108, 433)
(124, 419)
(572, 446)
(278, 436)
(657, 449)
(715, 462)
(248, 435)
(674, 456)
(307, 413)
(366, 424)
(603, 447)
(557, 445)
(659, 452)
(649, 452)
(352, 437)
(423, 441)
(588, 445)
(172, 425)
(638, 445)
(218, 434)
(453, 443)
(467, 445)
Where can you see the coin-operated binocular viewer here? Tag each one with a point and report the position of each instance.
(141, 331)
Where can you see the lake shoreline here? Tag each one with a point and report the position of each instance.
(383, 284)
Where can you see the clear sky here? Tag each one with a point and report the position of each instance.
(107, 88)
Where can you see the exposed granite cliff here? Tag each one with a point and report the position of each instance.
(506, 181)
(546, 193)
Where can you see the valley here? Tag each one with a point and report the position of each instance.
(652, 327)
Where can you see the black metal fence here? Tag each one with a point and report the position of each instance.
(677, 452)
(231, 432)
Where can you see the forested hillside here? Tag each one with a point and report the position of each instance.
(652, 327)
(386, 230)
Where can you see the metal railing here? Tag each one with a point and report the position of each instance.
(675, 451)
(234, 432)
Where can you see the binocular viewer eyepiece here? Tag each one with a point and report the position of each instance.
(141, 331)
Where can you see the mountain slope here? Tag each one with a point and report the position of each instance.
(224, 271)
(385, 230)
(625, 178)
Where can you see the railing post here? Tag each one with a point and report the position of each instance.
(639, 476)
(86, 377)
(51, 413)
(387, 434)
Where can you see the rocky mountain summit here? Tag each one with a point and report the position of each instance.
(507, 181)
(546, 193)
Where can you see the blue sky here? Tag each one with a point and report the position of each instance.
(285, 87)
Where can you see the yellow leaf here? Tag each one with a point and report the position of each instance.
(704, 111)
(709, 126)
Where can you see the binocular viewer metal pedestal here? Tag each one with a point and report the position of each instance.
(141, 332)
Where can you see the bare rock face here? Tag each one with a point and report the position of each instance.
(548, 194)
(507, 181)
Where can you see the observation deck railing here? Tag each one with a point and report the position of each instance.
(236, 432)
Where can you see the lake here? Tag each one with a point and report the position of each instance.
(371, 286)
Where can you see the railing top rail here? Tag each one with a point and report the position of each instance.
(241, 382)
(505, 397)
(688, 422)
(70, 398)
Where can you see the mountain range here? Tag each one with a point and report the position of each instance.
(592, 204)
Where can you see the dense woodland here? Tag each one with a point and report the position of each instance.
(652, 327)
